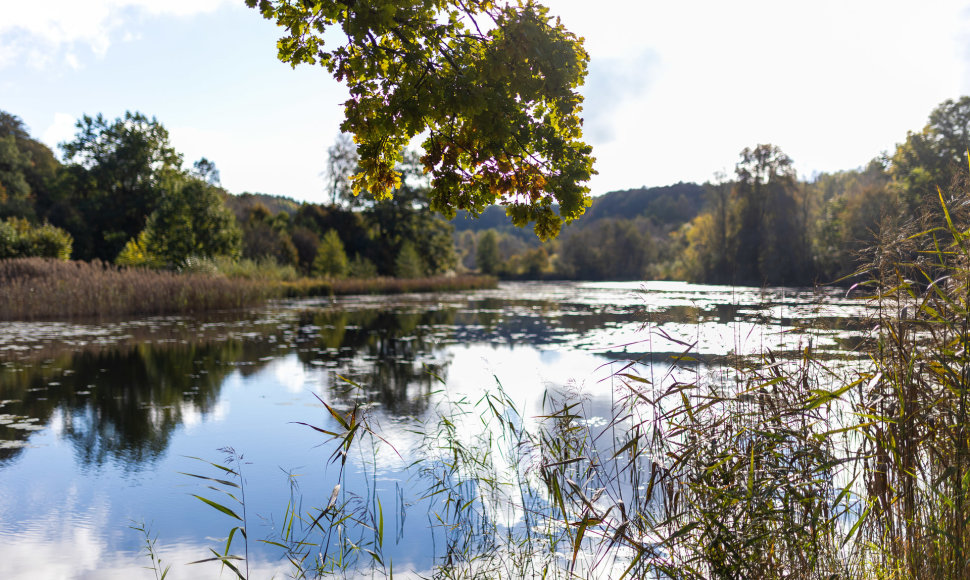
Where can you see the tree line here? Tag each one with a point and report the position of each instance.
(766, 227)
(124, 195)
(761, 225)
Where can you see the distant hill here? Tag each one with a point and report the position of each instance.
(668, 207)
(493, 218)
(240, 203)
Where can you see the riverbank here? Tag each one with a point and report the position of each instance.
(307, 287)
(46, 289)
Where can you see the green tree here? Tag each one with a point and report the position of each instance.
(934, 157)
(705, 257)
(9, 240)
(15, 194)
(206, 171)
(191, 221)
(407, 217)
(487, 256)
(350, 225)
(265, 236)
(28, 172)
(136, 254)
(535, 263)
(719, 197)
(331, 260)
(361, 267)
(771, 242)
(856, 204)
(306, 242)
(498, 104)
(608, 249)
(117, 169)
(408, 263)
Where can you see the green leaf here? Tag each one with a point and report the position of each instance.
(217, 506)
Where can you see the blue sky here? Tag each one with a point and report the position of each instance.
(675, 91)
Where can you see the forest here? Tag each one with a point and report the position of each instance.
(121, 193)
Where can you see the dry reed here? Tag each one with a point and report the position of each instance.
(37, 288)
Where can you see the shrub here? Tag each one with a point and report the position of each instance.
(262, 269)
(20, 239)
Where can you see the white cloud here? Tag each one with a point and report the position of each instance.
(42, 32)
(61, 130)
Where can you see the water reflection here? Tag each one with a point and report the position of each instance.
(101, 415)
(392, 355)
(122, 388)
(119, 404)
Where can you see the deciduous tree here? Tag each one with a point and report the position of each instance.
(408, 263)
(191, 221)
(117, 169)
(932, 158)
(769, 240)
(491, 86)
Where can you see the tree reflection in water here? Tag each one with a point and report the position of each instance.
(122, 404)
(392, 355)
(118, 404)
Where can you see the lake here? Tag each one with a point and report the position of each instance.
(101, 421)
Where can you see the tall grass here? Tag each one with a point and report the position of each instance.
(38, 288)
(917, 428)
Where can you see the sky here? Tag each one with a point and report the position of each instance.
(675, 89)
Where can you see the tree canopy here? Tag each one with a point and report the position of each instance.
(117, 168)
(935, 156)
(492, 88)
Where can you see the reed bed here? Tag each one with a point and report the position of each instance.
(37, 288)
(344, 286)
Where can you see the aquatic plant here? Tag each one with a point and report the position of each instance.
(150, 550)
(914, 412)
(333, 539)
(233, 469)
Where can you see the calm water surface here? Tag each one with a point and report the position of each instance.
(100, 421)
